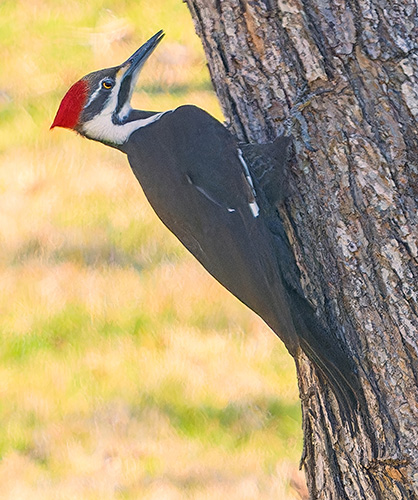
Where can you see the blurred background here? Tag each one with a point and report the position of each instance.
(126, 371)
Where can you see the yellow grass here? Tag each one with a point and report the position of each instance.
(126, 372)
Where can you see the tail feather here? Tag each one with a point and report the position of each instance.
(328, 356)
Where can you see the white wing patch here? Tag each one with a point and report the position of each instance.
(255, 209)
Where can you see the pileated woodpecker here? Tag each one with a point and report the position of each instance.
(194, 174)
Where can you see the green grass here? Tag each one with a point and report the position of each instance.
(126, 372)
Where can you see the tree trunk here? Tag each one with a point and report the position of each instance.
(343, 76)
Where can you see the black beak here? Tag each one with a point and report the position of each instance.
(134, 65)
(137, 60)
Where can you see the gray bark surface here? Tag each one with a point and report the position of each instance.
(343, 78)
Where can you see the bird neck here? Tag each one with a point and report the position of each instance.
(105, 129)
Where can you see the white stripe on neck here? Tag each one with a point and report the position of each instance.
(102, 128)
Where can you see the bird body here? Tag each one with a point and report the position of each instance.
(207, 204)
(196, 177)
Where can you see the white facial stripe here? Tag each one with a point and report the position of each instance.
(253, 204)
(102, 128)
(94, 95)
(124, 112)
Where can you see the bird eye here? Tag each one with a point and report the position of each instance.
(107, 84)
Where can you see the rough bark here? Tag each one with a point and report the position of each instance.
(343, 76)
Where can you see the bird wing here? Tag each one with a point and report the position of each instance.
(221, 174)
(207, 195)
(189, 168)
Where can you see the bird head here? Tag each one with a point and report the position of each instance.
(98, 105)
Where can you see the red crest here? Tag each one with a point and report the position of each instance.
(68, 113)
